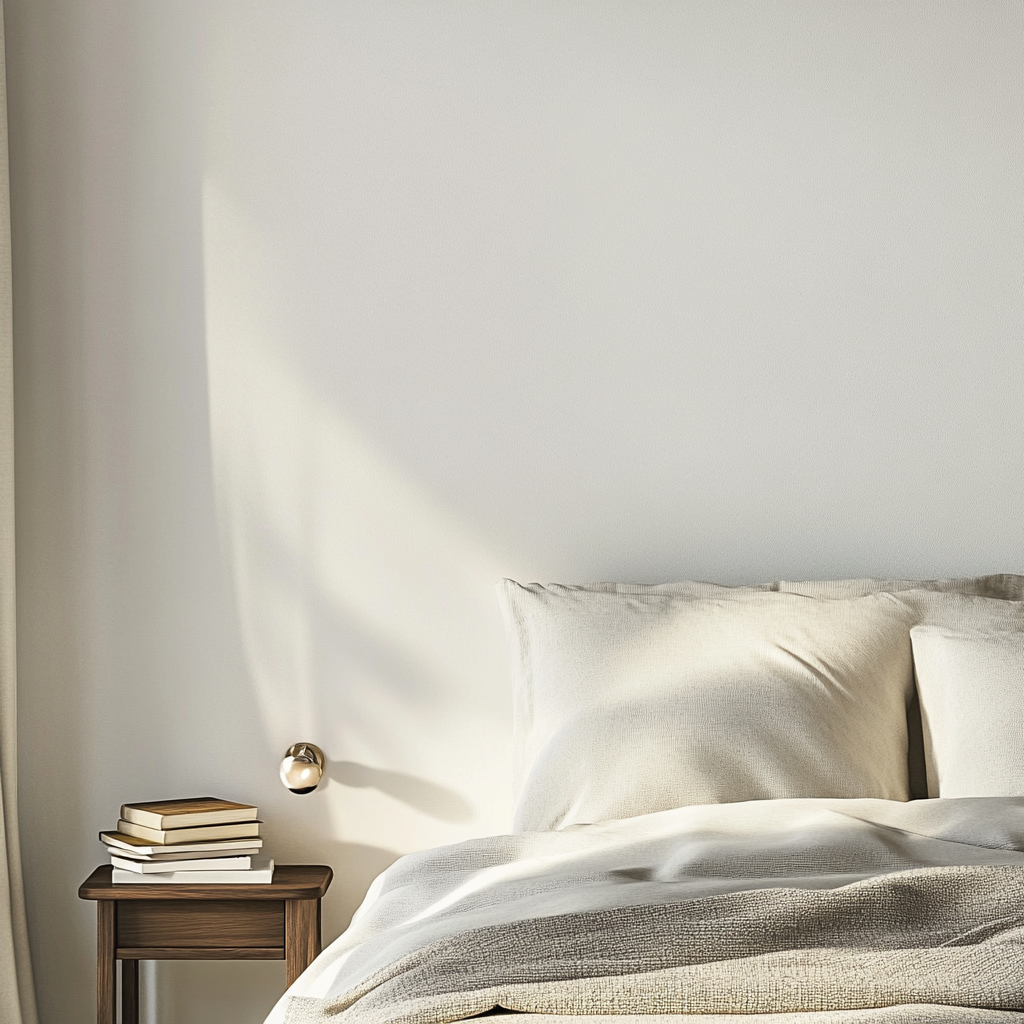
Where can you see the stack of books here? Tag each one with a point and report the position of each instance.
(201, 839)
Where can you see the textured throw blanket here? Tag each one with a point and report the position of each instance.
(808, 911)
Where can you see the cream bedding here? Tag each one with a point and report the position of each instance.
(810, 911)
(627, 704)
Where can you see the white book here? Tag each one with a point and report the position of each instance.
(142, 846)
(261, 873)
(168, 859)
(148, 867)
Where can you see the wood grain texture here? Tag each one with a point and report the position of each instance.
(202, 953)
(211, 921)
(129, 992)
(106, 966)
(200, 923)
(302, 936)
(291, 882)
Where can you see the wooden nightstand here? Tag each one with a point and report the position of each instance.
(278, 921)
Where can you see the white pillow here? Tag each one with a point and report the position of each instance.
(627, 703)
(983, 602)
(686, 588)
(954, 610)
(958, 611)
(971, 684)
(1004, 586)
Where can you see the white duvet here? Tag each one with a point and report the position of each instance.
(673, 857)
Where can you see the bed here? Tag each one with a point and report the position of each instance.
(800, 803)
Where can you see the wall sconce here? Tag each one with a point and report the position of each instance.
(303, 767)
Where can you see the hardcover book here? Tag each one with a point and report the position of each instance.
(189, 813)
(135, 847)
(175, 836)
(172, 858)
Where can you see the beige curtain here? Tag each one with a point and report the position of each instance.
(17, 996)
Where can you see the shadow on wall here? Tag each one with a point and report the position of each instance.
(431, 799)
(293, 837)
(355, 866)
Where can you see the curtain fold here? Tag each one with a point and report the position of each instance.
(17, 995)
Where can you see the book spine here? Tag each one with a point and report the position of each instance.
(145, 818)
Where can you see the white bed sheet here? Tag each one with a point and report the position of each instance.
(682, 854)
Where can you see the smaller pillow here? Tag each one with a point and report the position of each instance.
(971, 684)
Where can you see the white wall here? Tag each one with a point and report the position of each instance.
(329, 314)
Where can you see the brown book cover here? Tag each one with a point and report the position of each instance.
(188, 813)
(174, 836)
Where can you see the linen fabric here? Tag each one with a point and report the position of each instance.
(17, 994)
(851, 911)
(628, 703)
(995, 601)
(962, 611)
(979, 602)
(955, 610)
(684, 588)
(1002, 586)
(972, 705)
(984, 603)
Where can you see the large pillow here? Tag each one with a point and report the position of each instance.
(627, 703)
(686, 588)
(971, 684)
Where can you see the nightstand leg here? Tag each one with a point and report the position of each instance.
(301, 935)
(106, 965)
(129, 992)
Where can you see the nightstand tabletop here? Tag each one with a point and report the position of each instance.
(291, 882)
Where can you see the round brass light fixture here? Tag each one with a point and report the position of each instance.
(303, 767)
